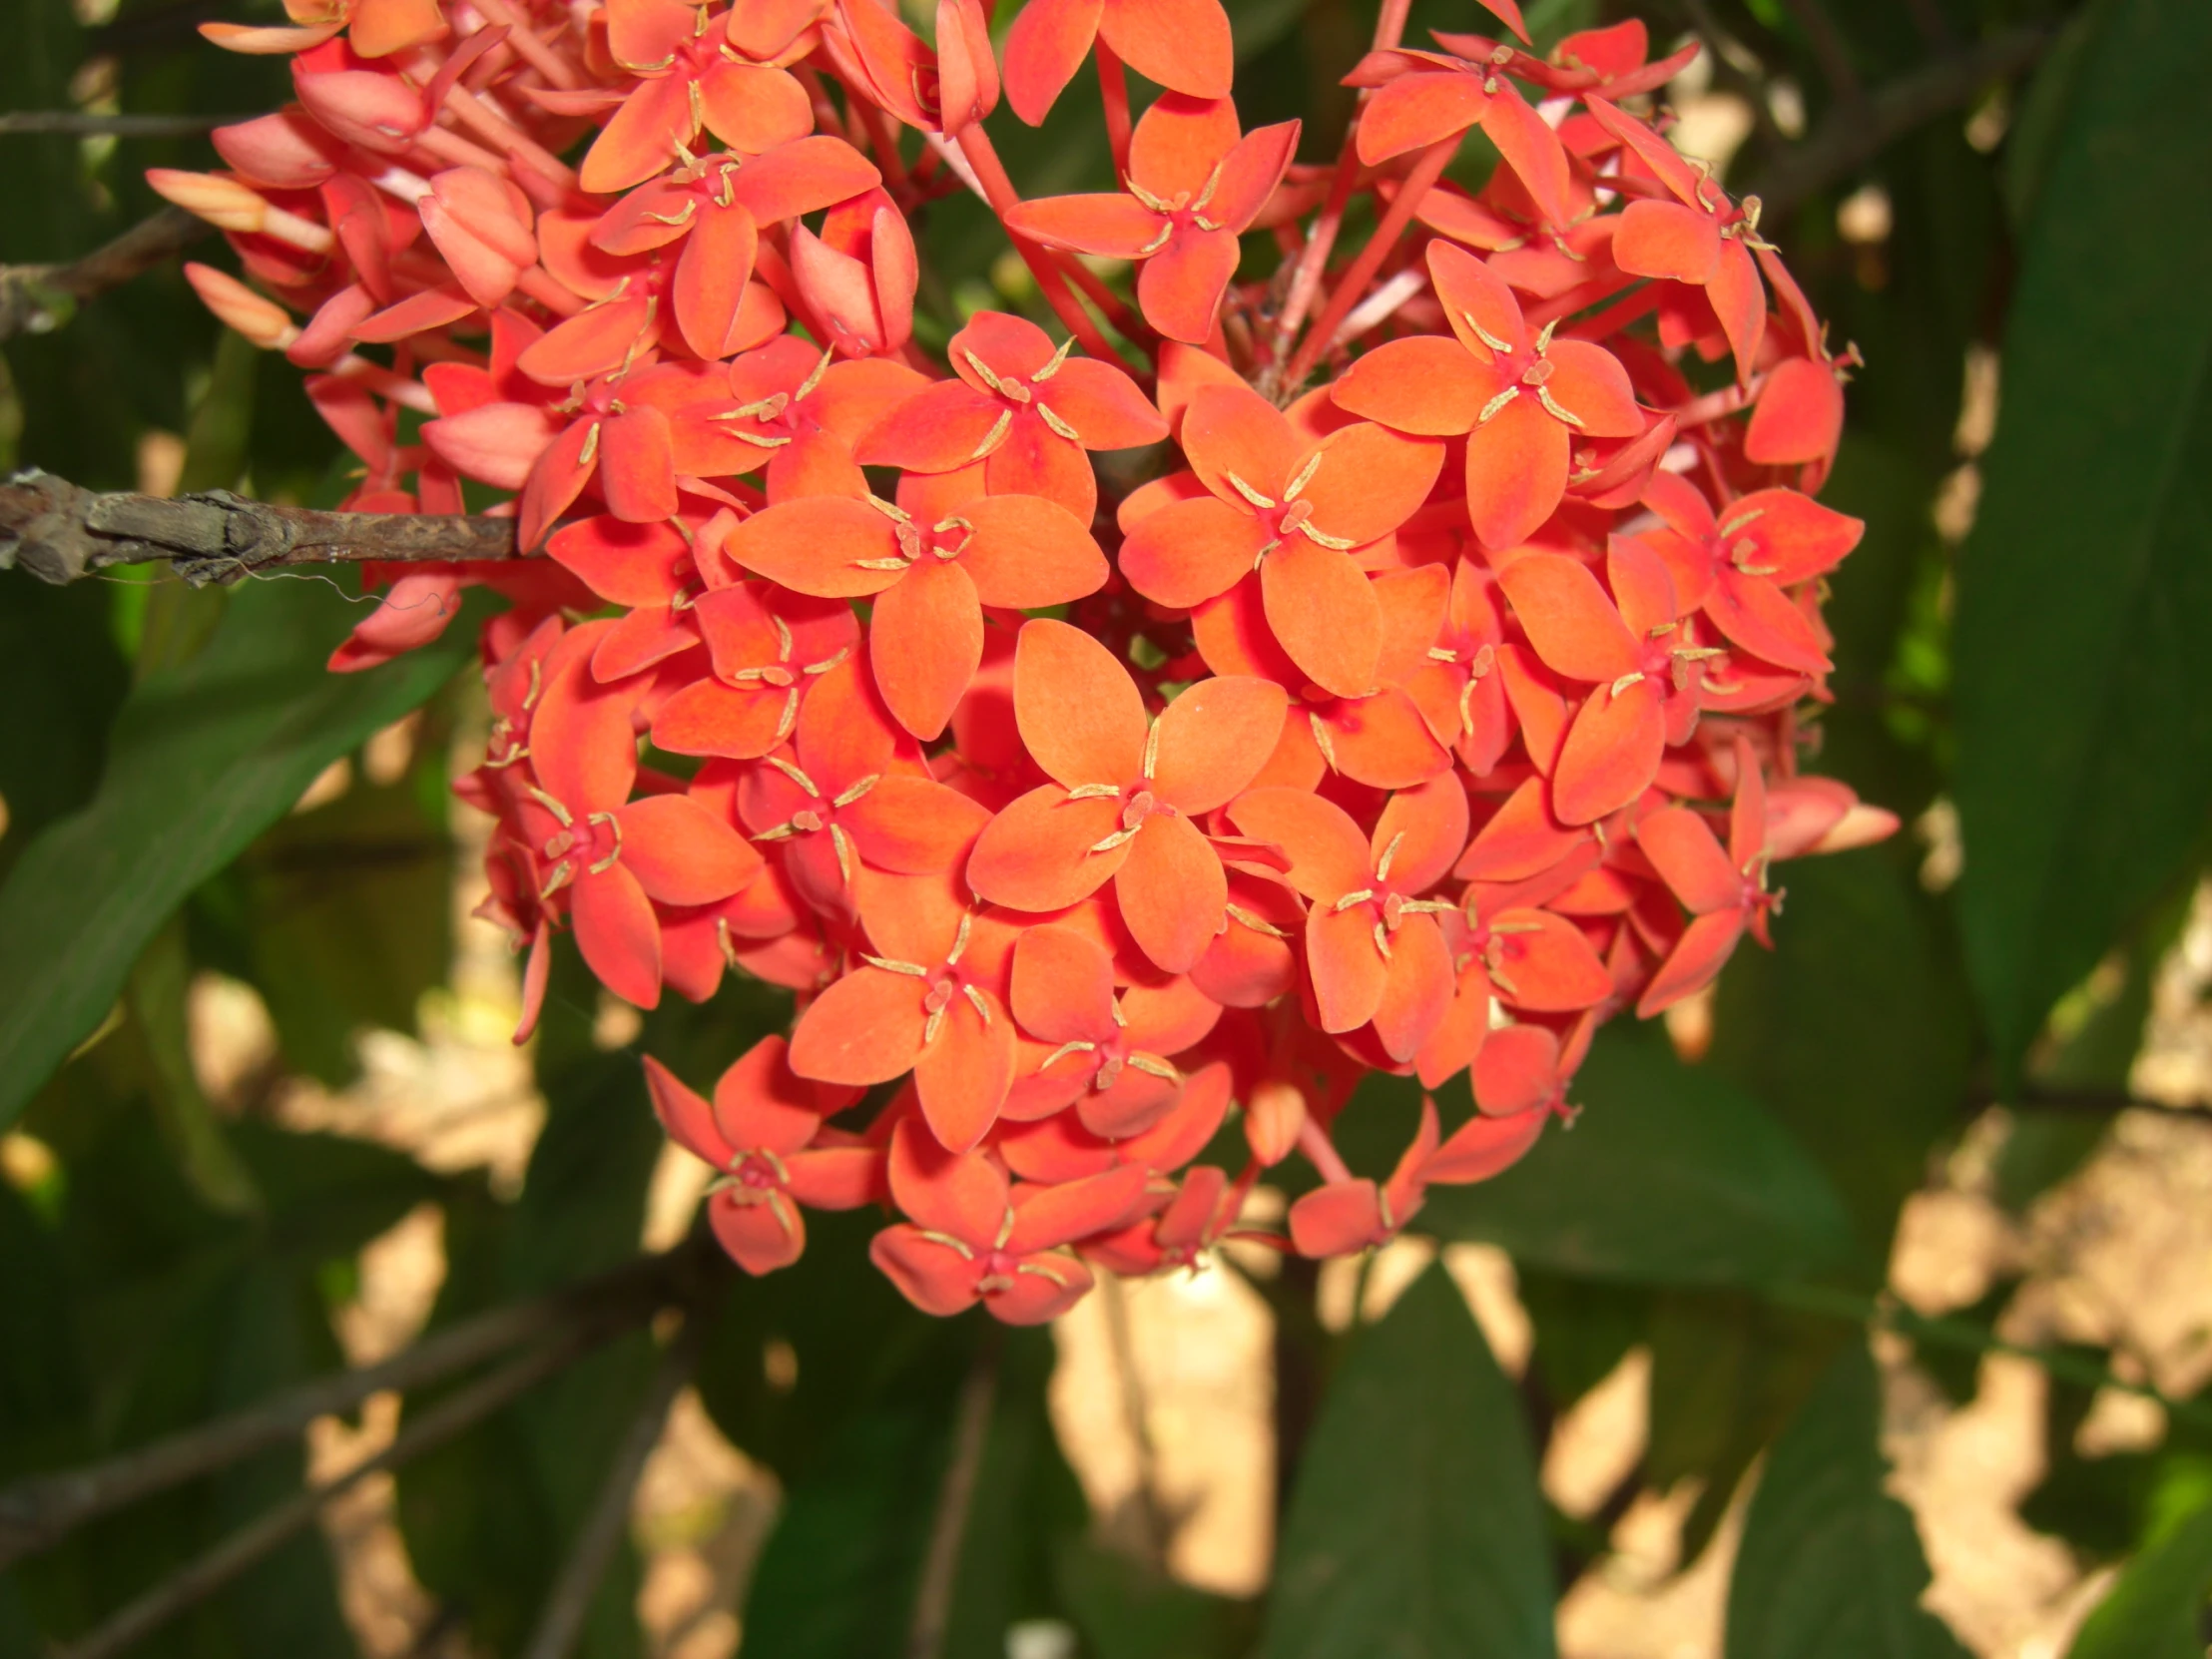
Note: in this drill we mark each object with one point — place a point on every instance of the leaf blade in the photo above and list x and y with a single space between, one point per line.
1417 1530
2084 736
204 758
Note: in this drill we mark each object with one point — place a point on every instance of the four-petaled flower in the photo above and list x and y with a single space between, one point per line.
1124 792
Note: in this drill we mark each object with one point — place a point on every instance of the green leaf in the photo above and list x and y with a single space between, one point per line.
1126 1611
63 680
836 1579
204 758
1831 1566
1671 1176
346 917
2157 1609
2084 719
1860 949
1417 1530
1727 1370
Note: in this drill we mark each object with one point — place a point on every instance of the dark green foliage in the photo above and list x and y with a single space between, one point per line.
2081 792
181 1258
1831 1567
1673 1177
204 756
1417 1530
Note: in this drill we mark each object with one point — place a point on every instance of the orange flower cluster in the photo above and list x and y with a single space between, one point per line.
1422 686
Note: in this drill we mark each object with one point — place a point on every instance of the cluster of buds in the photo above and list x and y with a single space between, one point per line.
1422 686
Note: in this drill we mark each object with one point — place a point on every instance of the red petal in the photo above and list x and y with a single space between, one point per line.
1516 1070
1116 226
1421 831
1349 972
1370 480
1321 607
689 1120
1666 239
618 935
935 1276
1078 709
817 545
1611 754
1213 739
1486 1146
1416 989
965 1072
864 1029
1329 855
1338 1219
1697 958
760 1236
1044 49
1180 288
1191 551
1026 553
1172 892
926 639
913 827
1063 986
1036 855
1689 859
1516 471
1182 44
681 854
1574 627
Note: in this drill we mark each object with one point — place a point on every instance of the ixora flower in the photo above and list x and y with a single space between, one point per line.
1130 726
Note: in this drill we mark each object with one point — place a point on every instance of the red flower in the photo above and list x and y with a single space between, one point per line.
691 75
1294 511
1124 794
1107 1056
1025 412
1372 944
930 572
1192 185
930 1001
1521 400
611 857
1724 891
982 1239
1736 568
762 1137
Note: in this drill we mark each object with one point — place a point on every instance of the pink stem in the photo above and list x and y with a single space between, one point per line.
998 190
1113 92
1354 282
1314 1141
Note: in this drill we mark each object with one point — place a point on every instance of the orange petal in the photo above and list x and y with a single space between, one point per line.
864 1029
1611 754
1214 739
1321 607
1349 972
964 1071
1036 855
926 638
1172 891
1078 710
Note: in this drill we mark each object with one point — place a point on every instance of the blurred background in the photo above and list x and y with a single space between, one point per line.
1962 1116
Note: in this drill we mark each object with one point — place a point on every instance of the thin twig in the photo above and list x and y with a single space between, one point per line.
60 532
259 1538
562 1623
1136 1420
78 124
2062 1098
1851 136
37 298
1830 50
940 1567
38 1513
